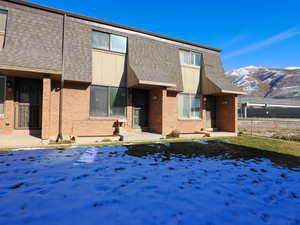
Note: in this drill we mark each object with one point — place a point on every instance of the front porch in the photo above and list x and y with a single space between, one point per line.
26 111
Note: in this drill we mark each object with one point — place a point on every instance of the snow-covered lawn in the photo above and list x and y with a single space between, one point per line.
176 183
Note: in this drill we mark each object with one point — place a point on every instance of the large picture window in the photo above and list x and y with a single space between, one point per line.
111 42
190 58
3 18
2 94
108 101
189 106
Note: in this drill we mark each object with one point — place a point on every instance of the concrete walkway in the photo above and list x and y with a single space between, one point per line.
140 136
27 141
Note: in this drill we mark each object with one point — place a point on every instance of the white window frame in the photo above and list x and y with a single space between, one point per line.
4 95
191 59
3 32
190 99
110 44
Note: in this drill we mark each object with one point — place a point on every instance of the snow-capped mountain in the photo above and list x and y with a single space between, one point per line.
267 82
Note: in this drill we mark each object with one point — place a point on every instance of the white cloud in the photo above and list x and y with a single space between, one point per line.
269 41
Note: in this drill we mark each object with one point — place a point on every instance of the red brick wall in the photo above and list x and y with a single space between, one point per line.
163 114
76 108
171 119
7 120
46 108
227 113
54 108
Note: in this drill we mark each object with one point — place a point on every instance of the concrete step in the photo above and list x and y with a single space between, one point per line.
211 129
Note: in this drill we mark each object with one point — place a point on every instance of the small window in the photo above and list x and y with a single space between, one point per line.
190 58
109 42
2 94
108 101
118 43
196 59
3 18
189 106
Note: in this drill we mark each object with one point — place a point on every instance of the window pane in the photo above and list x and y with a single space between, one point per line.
195 107
118 43
2 94
185 57
3 16
100 40
184 106
117 101
99 101
196 59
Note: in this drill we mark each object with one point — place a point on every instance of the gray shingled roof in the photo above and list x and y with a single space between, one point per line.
154 61
215 73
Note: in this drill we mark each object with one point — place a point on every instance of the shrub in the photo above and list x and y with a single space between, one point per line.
174 133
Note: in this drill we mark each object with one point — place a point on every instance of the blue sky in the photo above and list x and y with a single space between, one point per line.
250 32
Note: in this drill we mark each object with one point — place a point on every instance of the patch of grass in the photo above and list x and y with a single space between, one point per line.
106 140
252 142
264 143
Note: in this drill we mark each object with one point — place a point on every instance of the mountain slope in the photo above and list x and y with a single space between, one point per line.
267 82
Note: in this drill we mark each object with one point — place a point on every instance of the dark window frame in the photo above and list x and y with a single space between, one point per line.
108 113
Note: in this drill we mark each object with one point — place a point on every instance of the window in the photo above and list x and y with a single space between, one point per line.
2 94
190 58
118 43
3 18
108 101
100 40
110 42
189 106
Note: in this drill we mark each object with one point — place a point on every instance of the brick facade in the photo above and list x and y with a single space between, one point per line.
163 112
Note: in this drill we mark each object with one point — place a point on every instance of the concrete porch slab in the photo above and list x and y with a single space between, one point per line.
18 141
140 136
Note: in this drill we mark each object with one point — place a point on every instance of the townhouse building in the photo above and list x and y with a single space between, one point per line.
71 75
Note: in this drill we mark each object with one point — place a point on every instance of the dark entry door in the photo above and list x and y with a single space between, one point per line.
28 97
140 107
211 112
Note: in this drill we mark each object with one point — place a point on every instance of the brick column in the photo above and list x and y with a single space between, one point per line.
46 108
9 109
